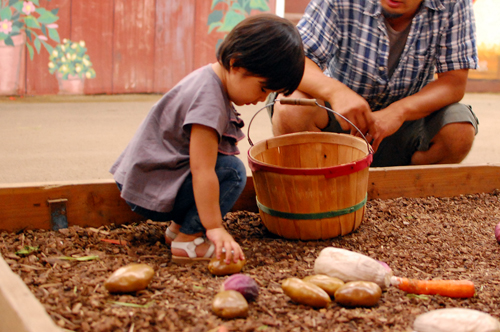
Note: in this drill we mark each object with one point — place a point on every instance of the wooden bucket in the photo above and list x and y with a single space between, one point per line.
311 185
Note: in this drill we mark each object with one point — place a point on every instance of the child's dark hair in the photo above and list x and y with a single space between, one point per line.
267 46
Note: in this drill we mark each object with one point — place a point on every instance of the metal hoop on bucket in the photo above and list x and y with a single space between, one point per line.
306 102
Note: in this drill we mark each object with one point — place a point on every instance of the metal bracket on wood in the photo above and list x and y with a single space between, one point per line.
58 217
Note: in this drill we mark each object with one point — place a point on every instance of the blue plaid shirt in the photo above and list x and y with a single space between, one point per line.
348 39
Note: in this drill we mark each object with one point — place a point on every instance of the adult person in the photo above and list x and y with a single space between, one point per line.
396 69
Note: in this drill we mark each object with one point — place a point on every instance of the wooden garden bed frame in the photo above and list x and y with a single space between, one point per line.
98 203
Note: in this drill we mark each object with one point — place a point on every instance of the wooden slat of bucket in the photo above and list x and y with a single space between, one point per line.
346 191
361 190
308 186
263 195
278 188
330 226
294 192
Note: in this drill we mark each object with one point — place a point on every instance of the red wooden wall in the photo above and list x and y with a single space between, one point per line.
135 46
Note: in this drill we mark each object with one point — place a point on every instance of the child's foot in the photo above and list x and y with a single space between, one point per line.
171 233
191 248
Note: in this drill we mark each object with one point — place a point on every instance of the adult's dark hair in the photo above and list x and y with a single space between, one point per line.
267 46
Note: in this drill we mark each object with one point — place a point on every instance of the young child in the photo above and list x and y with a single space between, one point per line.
181 163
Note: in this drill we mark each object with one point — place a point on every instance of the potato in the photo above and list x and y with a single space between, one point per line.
326 283
305 293
230 304
358 294
455 320
130 278
219 268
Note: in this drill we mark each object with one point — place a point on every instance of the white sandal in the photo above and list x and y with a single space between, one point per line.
169 236
190 249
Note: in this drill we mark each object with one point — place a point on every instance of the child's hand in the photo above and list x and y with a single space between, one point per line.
222 239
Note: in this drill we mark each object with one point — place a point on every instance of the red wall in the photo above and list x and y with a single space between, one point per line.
139 46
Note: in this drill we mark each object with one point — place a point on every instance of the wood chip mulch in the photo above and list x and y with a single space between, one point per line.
424 238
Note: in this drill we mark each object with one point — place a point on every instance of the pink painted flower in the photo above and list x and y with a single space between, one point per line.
42 37
6 26
53 26
28 7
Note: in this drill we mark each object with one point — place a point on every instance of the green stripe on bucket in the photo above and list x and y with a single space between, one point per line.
309 216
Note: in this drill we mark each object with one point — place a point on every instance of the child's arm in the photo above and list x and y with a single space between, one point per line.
203 149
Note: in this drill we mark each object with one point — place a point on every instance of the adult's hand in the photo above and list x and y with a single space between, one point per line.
385 123
342 99
353 107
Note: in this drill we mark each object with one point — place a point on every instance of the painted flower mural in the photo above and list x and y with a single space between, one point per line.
26 17
71 65
227 13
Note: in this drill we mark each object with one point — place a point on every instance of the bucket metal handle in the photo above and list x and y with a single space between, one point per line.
305 102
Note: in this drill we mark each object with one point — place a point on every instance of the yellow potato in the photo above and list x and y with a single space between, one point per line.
358 294
326 283
219 268
305 293
130 278
230 304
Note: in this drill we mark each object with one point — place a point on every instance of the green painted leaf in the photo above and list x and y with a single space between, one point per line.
46 17
243 3
28 34
12 2
230 21
55 11
36 2
48 47
54 35
8 41
259 5
215 16
236 7
31 22
37 45
30 51
248 9
213 26
5 13
215 2
18 6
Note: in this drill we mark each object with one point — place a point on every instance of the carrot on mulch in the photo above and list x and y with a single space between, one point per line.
120 242
450 288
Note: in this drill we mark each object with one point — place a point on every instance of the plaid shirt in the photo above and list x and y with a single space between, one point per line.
348 39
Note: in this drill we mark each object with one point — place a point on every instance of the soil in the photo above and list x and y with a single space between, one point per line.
424 238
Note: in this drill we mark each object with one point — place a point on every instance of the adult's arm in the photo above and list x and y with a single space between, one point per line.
448 88
342 99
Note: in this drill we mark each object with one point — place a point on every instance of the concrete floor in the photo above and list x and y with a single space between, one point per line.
73 138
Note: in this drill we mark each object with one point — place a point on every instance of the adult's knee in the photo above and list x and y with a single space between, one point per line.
454 141
460 141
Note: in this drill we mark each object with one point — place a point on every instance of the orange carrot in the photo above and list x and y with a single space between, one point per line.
121 242
450 288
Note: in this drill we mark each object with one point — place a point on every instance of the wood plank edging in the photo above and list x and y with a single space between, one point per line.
20 310
97 203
